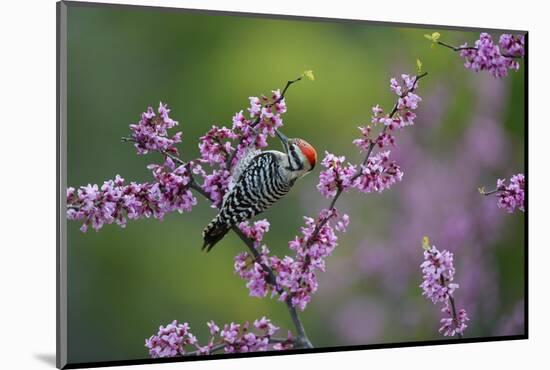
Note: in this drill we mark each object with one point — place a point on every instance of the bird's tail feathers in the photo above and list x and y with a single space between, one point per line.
213 233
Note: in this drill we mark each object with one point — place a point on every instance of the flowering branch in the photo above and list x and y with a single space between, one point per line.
175 339
461 48
348 177
267 107
438 273
511 196
292 279
485 55
301 341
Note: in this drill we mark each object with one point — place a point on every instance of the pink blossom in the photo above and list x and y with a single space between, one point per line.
487 56
255 106
298 275
114 202
383 139
335 176
264 120
170 340
378 174
512 45
150 133
215 185
511 196
438 273
253 272
212 147
451 326
256 231
172 185
376 111
396 87
176 340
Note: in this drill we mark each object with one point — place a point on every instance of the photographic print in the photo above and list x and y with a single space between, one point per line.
241 184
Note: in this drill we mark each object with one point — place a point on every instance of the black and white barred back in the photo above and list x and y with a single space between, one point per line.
259 186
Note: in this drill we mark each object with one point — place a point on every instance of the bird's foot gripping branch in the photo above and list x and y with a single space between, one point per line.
226 154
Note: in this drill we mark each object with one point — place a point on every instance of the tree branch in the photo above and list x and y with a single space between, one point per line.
369 151
302 341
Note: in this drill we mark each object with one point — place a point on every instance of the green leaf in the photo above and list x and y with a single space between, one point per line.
418 66
425 243
309 75
434 37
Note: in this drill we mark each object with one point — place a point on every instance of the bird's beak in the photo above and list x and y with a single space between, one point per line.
283 138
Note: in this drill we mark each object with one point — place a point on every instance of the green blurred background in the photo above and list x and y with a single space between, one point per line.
124 283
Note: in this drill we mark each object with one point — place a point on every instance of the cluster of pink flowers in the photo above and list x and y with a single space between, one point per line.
336 175
378 173
438 273
171 189
497 59
407 103
256 231
220 143
251 270
296 277
115 201
176 339
316 242
451 326
511 196
214 183
150 133
170 340
264 118
511 45
212 147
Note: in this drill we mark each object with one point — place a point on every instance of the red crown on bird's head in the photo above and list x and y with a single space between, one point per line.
309 151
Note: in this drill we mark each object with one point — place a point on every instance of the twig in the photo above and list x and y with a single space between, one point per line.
456 48
483 192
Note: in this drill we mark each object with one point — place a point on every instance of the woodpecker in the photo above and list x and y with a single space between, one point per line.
260 179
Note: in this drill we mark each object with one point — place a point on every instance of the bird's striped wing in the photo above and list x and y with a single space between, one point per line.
239 168
258 187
